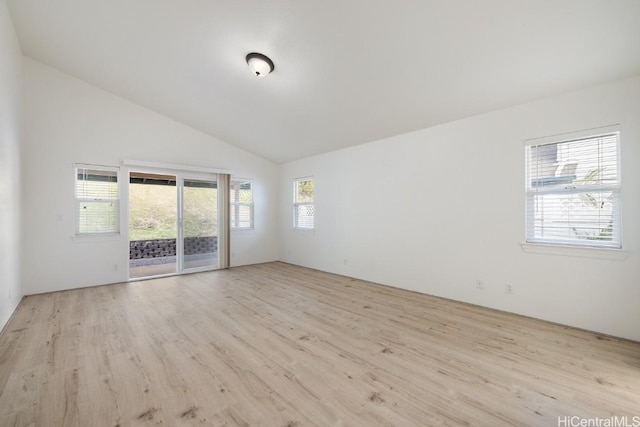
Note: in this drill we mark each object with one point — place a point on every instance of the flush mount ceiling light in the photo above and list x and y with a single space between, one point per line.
260 64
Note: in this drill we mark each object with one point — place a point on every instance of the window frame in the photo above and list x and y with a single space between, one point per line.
234 219
78 201
297 204
615 189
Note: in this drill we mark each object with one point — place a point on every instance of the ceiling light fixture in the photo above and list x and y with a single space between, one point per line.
260 64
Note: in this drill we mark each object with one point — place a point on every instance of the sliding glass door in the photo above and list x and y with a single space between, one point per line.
153 204
173 223
199 224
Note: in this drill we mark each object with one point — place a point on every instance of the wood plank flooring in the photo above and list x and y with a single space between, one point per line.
279 345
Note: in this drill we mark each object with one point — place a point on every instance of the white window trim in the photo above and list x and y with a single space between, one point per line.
614 254
576 248
297 204
568 136
155 166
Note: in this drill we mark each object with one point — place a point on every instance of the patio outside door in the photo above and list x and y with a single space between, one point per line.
199 224
173 223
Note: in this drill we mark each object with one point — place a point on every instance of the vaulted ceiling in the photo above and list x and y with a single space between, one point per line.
346 71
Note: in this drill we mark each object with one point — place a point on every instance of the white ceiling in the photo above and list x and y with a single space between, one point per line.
346 71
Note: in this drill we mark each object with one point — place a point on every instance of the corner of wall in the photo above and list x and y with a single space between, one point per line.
11 58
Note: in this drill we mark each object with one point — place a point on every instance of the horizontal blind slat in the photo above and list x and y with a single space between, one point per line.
97 204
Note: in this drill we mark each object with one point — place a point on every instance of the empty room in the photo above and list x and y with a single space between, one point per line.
331 213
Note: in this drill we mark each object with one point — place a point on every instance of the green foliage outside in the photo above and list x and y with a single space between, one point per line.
152 212
200 212
305 191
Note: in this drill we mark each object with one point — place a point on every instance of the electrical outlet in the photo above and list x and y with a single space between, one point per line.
346 261
479 284
508 288
115 267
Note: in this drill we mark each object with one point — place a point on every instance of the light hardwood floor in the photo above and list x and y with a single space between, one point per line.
279 345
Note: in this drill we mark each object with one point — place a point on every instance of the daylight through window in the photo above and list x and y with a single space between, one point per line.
573 191
241 204
303 209
97 203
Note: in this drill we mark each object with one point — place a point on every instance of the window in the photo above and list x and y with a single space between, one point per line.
573 191
303 212
241 204
97 204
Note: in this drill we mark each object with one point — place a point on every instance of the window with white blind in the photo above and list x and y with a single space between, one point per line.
303 210
573 190
97 202
241 204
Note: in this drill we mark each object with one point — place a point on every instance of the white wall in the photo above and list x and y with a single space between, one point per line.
10 141
434 210
67 121
430 211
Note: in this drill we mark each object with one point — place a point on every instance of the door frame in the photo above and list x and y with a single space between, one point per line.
180 172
